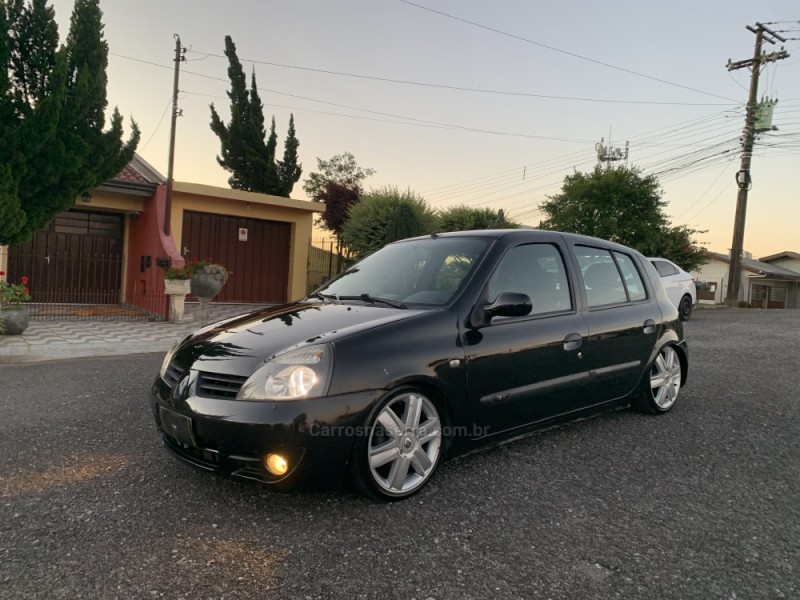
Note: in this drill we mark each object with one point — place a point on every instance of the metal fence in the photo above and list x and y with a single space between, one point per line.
68 287
94 289
324 262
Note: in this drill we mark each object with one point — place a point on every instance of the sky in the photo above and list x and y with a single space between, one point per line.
488 104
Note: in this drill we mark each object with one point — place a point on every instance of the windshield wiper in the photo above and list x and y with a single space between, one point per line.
323 297
373 300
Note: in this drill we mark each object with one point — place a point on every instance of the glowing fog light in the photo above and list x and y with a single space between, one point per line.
276 464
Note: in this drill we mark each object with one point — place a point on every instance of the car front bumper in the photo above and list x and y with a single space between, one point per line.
232 438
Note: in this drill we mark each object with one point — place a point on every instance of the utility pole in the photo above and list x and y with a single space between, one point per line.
176 112
743 179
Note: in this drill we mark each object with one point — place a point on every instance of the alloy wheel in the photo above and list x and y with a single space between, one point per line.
404 444
665 378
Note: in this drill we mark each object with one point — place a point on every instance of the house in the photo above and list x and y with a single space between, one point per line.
109 249
763 284
785 259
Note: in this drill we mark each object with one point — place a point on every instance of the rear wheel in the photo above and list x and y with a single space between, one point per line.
685 308
401 449
660 390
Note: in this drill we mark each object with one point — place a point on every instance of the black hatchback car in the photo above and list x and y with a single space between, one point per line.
427 348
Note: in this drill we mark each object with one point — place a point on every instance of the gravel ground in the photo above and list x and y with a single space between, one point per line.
699 503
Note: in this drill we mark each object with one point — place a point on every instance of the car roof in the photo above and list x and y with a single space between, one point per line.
528 233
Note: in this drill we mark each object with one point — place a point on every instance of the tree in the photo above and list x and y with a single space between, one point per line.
52 115
12 217
338 200
338 186
466 218
383 216
245 150
289 170
677 244
620 205
341 169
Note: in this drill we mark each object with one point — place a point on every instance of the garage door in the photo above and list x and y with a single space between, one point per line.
76 260
255 252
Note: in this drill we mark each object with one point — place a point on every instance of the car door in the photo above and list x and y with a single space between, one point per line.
622 317
525 369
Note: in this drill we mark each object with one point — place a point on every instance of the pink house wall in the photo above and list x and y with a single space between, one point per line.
146 238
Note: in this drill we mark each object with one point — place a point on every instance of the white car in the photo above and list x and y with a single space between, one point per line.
679 285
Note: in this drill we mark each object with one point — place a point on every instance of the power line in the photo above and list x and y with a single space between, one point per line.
376 112
559 50
460 88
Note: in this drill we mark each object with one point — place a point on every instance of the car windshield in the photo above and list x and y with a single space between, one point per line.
422 271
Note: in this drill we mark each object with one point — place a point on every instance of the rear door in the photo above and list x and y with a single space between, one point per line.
622 317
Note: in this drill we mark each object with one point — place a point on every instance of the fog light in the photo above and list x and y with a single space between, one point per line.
276 464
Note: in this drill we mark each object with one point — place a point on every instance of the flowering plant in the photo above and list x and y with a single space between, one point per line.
178 273
13 296
206 265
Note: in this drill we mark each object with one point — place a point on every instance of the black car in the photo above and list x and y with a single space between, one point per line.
427 348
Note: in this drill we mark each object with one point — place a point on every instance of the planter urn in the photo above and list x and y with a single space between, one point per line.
206 285
14 321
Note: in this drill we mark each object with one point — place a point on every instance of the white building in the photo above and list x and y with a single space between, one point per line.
770 283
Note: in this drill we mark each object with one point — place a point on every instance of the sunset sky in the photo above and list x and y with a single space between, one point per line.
481 103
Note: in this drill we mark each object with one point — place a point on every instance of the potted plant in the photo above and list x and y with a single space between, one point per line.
208 278
176 280
14 316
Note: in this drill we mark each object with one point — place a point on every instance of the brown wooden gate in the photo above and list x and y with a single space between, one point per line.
255 252
76 260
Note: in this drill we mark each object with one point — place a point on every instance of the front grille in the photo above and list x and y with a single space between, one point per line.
222 387
173 374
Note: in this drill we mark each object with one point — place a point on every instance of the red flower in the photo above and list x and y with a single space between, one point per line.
24 280
2 273
27 290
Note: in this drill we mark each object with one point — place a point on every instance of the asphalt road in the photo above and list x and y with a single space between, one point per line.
701 503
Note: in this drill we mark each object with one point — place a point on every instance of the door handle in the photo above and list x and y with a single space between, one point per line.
186 251
573 341
649 326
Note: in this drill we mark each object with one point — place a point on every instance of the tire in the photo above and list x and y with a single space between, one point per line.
685 308
660 388
401 447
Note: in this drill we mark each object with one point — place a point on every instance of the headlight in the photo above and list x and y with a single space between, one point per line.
300 373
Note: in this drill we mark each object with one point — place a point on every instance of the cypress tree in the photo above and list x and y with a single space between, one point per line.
52 113
245 150
289 170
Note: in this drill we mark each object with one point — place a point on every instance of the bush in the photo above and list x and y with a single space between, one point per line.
384 216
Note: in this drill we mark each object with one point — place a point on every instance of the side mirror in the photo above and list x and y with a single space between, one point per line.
509 304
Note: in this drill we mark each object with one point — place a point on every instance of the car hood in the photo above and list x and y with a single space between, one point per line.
238 346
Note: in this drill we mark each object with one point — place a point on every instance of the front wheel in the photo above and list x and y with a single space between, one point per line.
660 390
401 448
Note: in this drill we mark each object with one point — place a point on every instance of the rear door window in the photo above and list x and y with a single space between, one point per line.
630 275
609 277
